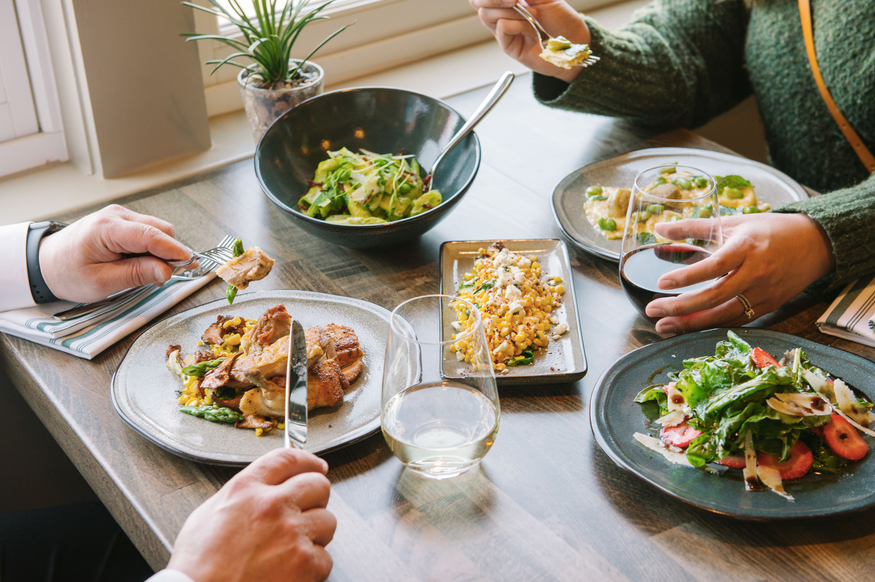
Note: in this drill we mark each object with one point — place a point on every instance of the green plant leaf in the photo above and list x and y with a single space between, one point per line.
227 61
313 52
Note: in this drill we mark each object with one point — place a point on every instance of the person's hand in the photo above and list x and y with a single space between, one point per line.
268 522
768 258
519 40
84 261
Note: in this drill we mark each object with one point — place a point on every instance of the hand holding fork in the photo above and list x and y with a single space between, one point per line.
522 39
108 251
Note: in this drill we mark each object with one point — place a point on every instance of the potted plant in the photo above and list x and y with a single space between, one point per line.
274 82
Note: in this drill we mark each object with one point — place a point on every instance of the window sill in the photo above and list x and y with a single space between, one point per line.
52 190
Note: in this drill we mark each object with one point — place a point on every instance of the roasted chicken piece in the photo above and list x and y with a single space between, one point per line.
268 363
272 325
325 384
268 400
345 342
252 265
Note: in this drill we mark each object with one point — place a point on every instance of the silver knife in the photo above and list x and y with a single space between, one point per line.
296 388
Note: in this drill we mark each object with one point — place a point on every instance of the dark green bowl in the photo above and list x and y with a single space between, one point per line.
378 119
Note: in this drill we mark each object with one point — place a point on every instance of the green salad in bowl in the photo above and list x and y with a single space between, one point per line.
368 188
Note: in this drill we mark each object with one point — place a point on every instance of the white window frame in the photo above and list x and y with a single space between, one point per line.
386 34
47 143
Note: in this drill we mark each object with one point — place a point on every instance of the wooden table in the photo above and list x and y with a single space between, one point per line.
547 504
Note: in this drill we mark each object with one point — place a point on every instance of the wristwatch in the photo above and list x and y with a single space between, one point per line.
38 287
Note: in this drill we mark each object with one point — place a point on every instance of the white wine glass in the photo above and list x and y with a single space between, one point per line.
438 424
672 193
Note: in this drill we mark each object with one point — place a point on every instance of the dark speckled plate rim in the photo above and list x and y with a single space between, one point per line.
709 339
571 311
352 438
366 229
561 189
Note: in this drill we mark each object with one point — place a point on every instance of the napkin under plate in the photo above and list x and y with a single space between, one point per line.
849 315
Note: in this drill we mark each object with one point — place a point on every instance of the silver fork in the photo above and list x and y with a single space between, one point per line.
209 261
544 37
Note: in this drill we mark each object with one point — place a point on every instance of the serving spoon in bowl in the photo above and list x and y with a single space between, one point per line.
494 96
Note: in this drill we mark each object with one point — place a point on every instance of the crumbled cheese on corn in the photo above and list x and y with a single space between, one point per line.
515 303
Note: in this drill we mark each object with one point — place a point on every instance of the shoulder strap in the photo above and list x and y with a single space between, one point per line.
808 33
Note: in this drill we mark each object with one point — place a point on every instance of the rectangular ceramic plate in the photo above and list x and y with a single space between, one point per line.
563 360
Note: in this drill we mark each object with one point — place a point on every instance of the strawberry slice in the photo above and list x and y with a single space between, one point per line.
844 440
679 436
733 461
796 466
763 359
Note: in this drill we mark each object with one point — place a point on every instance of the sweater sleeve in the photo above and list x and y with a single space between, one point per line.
678 63
847 216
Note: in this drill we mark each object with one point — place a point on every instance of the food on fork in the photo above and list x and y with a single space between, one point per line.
252 265
237 375
743 409
606 206
516 303
368 188
563 53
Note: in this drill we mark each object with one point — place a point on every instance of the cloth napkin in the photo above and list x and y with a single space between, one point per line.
850 314
90 334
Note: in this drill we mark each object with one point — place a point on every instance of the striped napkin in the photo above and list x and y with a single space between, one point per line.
90 334
850 315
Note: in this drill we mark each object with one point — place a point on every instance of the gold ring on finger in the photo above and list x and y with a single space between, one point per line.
748 308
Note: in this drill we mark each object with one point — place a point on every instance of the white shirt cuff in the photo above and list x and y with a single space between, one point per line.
170 576
14 283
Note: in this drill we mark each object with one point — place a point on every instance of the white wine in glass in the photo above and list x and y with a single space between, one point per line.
437 427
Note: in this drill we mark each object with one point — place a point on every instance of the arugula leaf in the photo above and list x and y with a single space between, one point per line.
202 368
654 392
825 461
702 450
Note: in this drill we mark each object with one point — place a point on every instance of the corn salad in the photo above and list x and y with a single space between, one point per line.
516 305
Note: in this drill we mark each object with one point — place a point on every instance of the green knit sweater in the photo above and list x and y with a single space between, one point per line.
682 62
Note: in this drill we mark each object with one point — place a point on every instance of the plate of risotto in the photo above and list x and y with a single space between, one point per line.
208 383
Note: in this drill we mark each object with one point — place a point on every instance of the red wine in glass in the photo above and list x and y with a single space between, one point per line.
642 268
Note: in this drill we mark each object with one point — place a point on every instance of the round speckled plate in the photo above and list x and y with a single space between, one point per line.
615 418
143 389
770 185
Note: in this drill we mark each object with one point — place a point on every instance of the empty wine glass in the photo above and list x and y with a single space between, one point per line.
667 194
440 413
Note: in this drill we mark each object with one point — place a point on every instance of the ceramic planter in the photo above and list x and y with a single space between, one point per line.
263 106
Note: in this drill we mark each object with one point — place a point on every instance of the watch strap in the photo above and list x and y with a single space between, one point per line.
39 289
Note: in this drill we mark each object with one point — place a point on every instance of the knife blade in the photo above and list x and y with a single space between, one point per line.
296 388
